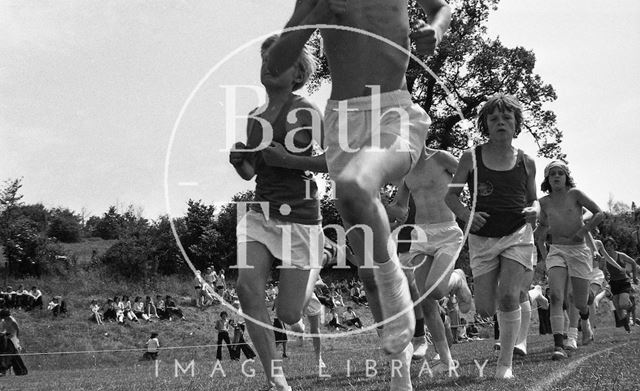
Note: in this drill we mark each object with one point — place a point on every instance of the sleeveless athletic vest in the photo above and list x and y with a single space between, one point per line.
278 185
502 194
616 274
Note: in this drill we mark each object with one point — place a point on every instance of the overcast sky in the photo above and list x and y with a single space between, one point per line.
90 93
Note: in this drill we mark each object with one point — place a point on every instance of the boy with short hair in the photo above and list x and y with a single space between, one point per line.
561 216
222 326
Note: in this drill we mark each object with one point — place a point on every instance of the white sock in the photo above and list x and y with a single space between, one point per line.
509 323
525 320
573 333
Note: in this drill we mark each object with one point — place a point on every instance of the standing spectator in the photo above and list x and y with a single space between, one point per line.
153 344
222 326
211 278
221 283
198 282
239 344
10 344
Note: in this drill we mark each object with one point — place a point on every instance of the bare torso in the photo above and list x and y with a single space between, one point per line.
428 183
356 59
564 217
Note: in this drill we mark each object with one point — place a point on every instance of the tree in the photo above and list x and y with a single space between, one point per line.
110 225
474 67
64 226
9 196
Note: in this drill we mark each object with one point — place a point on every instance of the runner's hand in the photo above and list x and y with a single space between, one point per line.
478 221
425 37
236 157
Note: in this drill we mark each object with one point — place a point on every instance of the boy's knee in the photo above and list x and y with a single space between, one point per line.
352 193
247 291
556 297
509 301
288 316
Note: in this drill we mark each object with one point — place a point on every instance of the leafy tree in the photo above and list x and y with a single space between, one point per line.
64 226
110 225
474 67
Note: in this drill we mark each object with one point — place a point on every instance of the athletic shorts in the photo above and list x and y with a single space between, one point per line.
305 241
313 307
484 251
358 122
597 277
435 240
576 258
620 286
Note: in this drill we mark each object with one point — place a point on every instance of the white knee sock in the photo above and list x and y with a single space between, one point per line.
509 323
525 320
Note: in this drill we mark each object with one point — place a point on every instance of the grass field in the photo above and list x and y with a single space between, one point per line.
107 357
609 364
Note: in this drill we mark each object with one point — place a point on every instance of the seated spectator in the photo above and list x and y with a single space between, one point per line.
118 307
336 297
462 331
172 309
57 306
109 312
161 308
357 296
322 293
138 309
19 297
37 298
128 310
150 308
335 321
95 312
472 331
351 318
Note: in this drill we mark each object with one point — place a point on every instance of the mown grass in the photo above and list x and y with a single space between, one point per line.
592 367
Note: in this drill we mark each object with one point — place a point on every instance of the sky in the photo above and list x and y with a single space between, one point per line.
91 93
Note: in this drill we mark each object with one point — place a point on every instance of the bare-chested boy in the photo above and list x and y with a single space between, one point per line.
435 241
374 132
561 216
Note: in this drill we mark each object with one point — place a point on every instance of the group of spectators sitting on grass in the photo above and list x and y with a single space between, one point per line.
21 298
121 310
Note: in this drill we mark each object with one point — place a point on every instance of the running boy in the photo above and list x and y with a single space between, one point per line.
367 149
501 241
282 183
561 216
435 241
